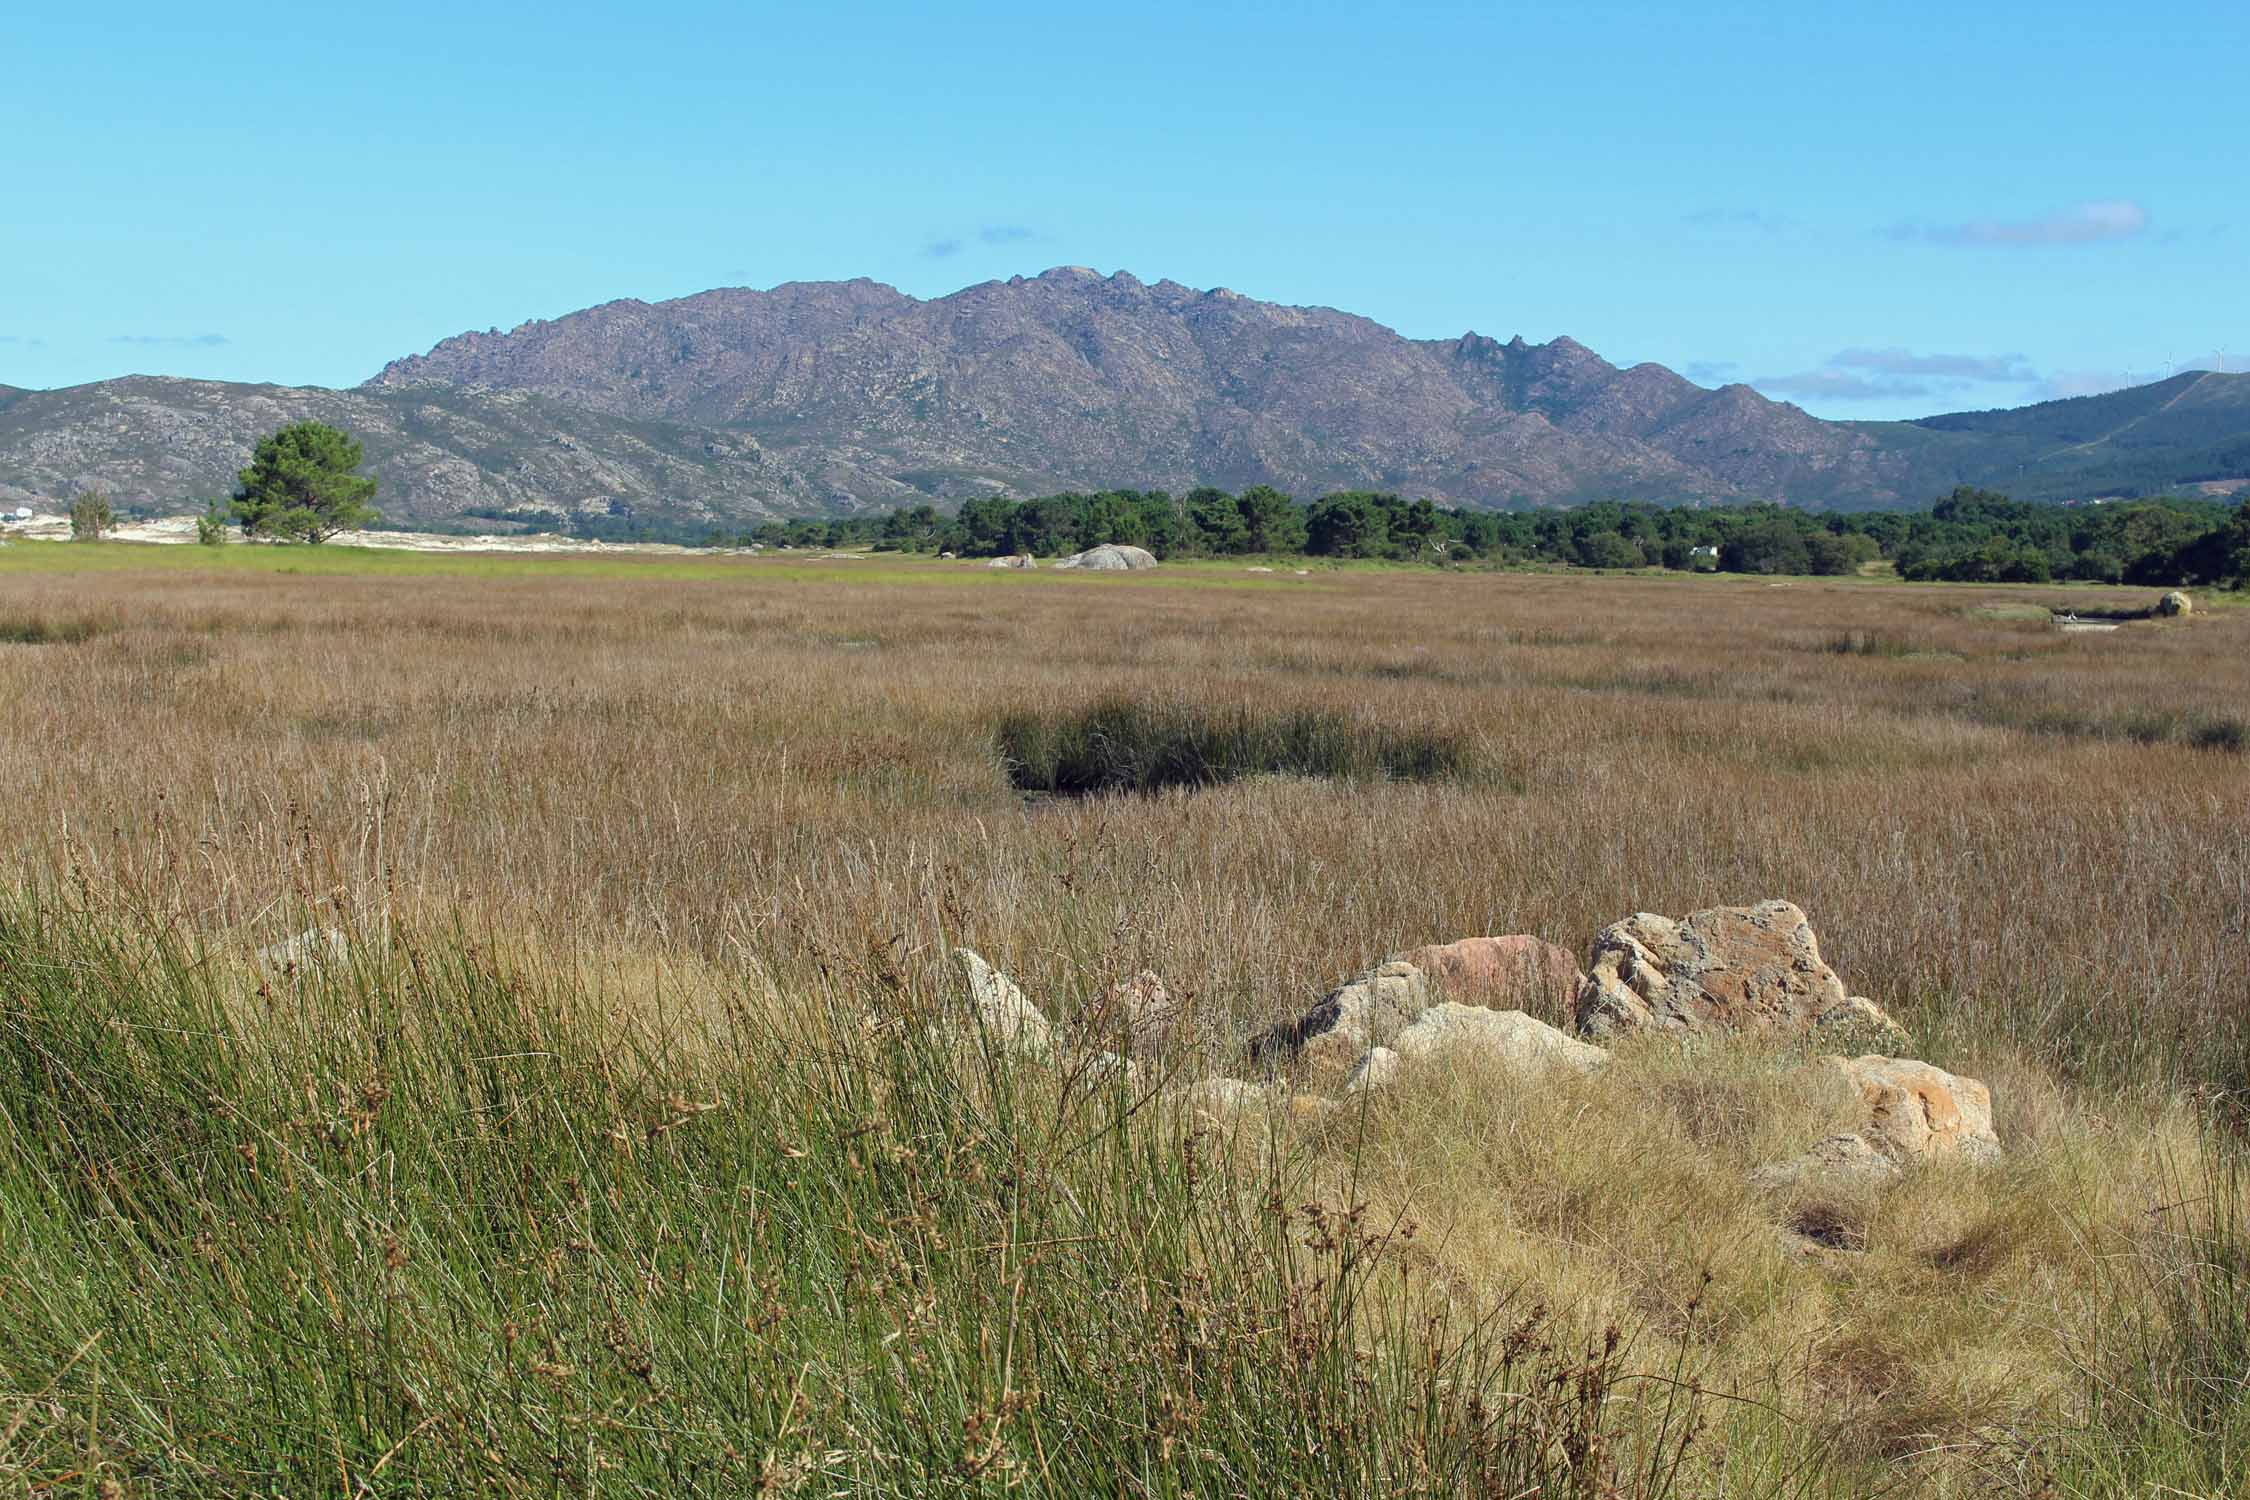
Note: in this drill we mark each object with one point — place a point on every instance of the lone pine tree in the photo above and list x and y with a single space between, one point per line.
300 486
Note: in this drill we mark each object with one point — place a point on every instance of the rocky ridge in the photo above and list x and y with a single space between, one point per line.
1089 380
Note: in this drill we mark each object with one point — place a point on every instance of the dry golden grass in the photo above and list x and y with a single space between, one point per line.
799 760
673 779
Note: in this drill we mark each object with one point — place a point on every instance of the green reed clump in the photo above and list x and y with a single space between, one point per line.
2170 1396
2201 730
1119 745
2194 728
2218 732
414 1223
1870 643
47 630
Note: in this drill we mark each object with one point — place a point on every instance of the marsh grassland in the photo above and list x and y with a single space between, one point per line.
625 1149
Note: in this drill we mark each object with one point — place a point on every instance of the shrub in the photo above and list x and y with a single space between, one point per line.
2219 732
1828 553
90 516
2167 726
38 630
211 526
2203 731
1121 746
1609 550
1868 643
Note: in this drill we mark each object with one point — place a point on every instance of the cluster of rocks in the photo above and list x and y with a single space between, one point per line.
1752 971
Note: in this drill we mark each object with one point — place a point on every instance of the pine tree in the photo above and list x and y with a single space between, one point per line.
300 486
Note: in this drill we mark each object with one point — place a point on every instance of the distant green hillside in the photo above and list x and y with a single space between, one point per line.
2190 429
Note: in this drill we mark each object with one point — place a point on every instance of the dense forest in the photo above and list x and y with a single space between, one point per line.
1971 535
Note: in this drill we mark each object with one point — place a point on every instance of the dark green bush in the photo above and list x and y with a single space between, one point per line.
1122 746
38 630
1869 643
2200 731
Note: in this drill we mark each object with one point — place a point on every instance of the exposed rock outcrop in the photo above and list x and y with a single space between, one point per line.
1348 1020
1911 1112
1451 1033
1378 1067
1905 1114
1754 970
1517 972
1725 969
1109 558
1002 1013
1498 973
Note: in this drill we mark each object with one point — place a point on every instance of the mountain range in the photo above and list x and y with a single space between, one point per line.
828 397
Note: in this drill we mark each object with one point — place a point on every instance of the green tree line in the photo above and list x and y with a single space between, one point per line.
1971 535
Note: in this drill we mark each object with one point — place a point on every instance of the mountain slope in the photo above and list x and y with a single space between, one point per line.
438 452
824 397
1087 380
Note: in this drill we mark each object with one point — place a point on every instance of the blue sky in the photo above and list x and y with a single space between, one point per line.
1913 207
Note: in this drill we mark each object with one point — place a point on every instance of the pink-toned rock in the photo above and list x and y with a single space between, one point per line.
1730 968
1517 972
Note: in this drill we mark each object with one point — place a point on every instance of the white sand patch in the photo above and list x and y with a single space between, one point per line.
180 530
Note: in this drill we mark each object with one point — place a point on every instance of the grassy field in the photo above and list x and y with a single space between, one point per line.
628 1153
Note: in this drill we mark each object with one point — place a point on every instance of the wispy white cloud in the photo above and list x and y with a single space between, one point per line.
946 246
2081 224
1979 367
1839 385
22 340
1709 371
1898 374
